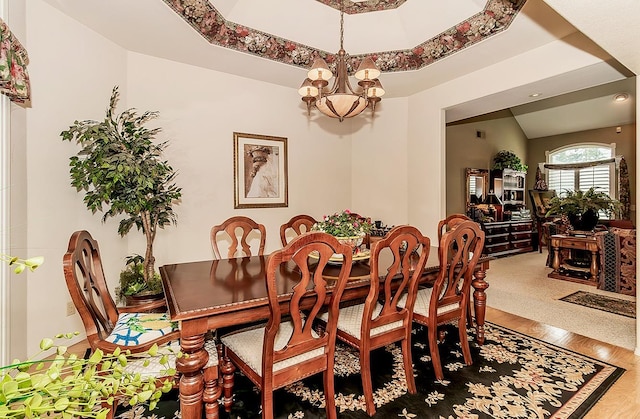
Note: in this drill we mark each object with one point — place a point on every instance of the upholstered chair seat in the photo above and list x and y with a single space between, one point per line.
423 301
243 344
350 320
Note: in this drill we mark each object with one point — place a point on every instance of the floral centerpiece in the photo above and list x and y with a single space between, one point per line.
344 224
347 227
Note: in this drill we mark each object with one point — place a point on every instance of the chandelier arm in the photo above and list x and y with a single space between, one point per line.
354 92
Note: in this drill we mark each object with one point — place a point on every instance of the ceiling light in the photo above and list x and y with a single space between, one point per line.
341 101
535 94
621 97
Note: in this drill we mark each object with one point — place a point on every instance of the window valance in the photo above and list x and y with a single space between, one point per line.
571 166
14 79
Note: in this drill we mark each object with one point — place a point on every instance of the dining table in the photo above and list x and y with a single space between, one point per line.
204 296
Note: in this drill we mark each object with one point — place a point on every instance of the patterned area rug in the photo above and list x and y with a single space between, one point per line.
602 302
513 376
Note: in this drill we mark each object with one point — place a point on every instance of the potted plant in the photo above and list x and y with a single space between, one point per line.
505 159
121 171
582 208
132 283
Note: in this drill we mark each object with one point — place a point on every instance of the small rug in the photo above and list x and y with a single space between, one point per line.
513 376
602 302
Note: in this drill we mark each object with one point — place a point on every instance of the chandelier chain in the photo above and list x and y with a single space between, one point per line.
341 29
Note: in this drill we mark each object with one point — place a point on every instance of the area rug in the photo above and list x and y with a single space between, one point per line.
602 302
513 376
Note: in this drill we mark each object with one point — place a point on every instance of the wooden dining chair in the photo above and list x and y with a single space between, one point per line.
380 320
449 298
445 225
297 225
112 328
291 349
239 246
450 222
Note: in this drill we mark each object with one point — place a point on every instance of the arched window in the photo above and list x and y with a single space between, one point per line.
582 166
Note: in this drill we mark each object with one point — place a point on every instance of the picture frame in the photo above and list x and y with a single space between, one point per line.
260 171
540 200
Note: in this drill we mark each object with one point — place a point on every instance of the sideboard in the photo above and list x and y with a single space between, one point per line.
508 237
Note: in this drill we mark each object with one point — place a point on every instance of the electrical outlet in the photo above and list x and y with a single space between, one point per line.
71 308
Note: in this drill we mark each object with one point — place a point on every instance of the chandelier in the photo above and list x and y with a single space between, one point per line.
341 101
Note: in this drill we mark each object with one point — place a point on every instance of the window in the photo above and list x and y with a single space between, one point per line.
577 176
580 167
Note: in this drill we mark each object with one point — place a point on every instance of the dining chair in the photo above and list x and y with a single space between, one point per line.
297 225
380 321
111 328
449 298
445 225
291 348
229 231
450 222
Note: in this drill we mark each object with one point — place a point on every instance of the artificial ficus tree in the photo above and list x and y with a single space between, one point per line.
122 172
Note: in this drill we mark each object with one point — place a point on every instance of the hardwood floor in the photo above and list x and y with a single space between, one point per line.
621 401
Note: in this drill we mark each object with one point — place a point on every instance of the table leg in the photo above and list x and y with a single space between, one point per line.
192 379
594 266
480 302
555 264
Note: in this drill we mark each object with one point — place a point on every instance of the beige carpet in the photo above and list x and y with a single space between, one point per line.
519 285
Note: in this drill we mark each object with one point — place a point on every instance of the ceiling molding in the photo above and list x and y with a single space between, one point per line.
202 16
353 8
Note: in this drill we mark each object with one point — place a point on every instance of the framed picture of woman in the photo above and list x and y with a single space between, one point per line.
260 171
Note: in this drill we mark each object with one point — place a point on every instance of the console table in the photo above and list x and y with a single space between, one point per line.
564 271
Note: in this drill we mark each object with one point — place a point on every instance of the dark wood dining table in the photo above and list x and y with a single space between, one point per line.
208 295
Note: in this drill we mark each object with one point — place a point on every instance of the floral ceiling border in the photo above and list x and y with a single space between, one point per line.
352 8
496 16
14 79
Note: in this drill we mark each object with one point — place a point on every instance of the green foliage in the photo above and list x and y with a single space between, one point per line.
343 224
121 172
67 386
577 202
132 280
508 160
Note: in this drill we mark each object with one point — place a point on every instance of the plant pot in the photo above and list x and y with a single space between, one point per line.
584 222
353 241
143 298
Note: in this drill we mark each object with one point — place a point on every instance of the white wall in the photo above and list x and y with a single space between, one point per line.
201 109
379 169
72 71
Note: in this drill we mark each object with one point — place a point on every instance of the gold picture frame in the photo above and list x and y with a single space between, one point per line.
260 171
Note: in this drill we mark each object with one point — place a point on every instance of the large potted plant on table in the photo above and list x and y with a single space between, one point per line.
582 208
122 172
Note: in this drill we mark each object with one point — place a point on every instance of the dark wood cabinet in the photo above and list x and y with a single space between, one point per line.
508 237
